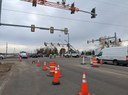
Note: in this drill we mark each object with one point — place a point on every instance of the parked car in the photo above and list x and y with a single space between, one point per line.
2 57
40 55
34 55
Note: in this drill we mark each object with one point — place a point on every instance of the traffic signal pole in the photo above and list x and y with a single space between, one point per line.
0 9
68 43
25 26
115 39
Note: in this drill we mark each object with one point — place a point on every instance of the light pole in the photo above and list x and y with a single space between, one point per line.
0 10
68 43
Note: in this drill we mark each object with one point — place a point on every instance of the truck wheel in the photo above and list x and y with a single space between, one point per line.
115 62
127 64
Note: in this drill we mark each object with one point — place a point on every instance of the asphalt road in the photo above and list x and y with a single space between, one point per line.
27 79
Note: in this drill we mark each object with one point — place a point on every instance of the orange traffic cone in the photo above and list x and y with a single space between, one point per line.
56 78
38 63
94 60
59 74
20 59
44 66
84 87
101 61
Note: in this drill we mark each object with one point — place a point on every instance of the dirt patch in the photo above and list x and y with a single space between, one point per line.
5 68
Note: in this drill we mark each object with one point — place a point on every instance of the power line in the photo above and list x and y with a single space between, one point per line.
104 2
87 21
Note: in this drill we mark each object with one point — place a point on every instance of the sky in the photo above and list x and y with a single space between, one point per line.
111 17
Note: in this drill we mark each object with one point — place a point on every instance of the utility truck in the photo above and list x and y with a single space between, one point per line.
115 55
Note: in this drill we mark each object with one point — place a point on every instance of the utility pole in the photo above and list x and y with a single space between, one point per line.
0 10
6 48
68 43
115 39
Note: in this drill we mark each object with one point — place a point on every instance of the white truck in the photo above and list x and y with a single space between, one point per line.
23 54
72 54
115 55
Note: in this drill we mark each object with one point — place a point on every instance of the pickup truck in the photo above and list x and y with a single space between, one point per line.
72 54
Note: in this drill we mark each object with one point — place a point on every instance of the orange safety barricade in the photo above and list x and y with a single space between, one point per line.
95 63
52 66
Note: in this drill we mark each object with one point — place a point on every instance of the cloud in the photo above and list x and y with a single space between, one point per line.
111 18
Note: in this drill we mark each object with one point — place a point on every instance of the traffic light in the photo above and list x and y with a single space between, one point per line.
72 8
58 44
120 40
105 42
87 42
93 13
32 28
34 3
51 30
100 39
63 2
52 44
45 44
65 31
93 40
110 41
68 45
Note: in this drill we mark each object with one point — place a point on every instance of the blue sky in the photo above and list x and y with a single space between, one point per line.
111 18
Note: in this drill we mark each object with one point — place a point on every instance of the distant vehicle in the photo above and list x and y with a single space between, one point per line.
2 57
72 54
115 55
34 55
40 55
23 54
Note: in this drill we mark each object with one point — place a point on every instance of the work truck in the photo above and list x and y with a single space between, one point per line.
115 55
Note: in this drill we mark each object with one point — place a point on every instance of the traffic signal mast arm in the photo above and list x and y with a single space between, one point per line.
59 5
53 44
25 26
107 38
